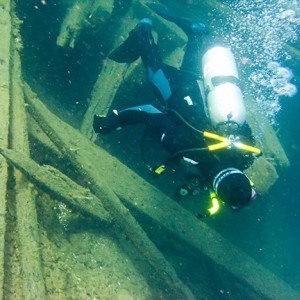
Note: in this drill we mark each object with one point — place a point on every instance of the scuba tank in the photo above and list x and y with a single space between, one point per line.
224 99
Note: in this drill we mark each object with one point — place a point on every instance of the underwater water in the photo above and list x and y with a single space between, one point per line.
273 80
264 36
260 32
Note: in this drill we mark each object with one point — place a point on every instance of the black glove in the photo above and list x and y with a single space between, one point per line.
106 124
101 124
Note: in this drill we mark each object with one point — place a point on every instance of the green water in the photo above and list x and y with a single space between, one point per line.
269 230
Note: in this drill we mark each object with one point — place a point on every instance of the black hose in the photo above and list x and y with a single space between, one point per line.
181 152
184 151
184 120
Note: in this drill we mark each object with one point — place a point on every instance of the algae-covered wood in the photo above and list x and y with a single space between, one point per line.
67 139
80 15
5 33
58 185
27 227
149 201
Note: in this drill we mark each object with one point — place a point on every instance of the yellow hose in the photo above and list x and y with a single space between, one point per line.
214 136
247 148
225 142
218 146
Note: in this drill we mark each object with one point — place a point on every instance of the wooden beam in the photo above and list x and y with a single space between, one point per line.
110 77
83 161
102 94
266 135
27 227
58 185
5 33
38 135
82 14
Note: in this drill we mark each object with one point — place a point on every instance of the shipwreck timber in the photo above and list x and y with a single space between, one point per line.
5 30
84 190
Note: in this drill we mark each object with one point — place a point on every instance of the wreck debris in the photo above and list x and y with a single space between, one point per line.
14 134
33 282
5 33
103 93
27 228
110 77
113 75
67 138
58 185
37 134
79 16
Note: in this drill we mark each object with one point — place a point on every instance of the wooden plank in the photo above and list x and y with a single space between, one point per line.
58 185
5 33
32 277
222 256
266 135
38 135
83 161
80 15
103 93
263 174
110 77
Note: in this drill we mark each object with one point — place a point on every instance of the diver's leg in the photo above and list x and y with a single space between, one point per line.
144 114
140 43
191 62
195 32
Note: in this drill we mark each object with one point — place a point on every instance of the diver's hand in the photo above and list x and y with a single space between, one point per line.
101 124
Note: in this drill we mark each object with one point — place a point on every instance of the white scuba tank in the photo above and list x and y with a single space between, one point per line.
224 98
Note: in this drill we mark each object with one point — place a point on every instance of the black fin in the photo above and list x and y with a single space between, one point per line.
127 52
130 50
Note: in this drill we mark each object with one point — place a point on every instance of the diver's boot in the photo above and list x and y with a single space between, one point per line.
130 50
190 27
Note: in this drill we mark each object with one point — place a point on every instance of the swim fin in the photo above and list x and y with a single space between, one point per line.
190 27
127 52
130 49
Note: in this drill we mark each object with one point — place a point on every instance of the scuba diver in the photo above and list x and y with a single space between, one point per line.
203 118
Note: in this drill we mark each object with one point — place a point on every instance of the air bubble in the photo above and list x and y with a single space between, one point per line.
289 90
286 14
259 30
284 73
273 65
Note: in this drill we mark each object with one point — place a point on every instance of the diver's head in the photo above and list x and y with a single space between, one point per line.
233 187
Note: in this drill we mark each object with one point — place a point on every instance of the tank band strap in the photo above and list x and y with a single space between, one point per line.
217 80
221 175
